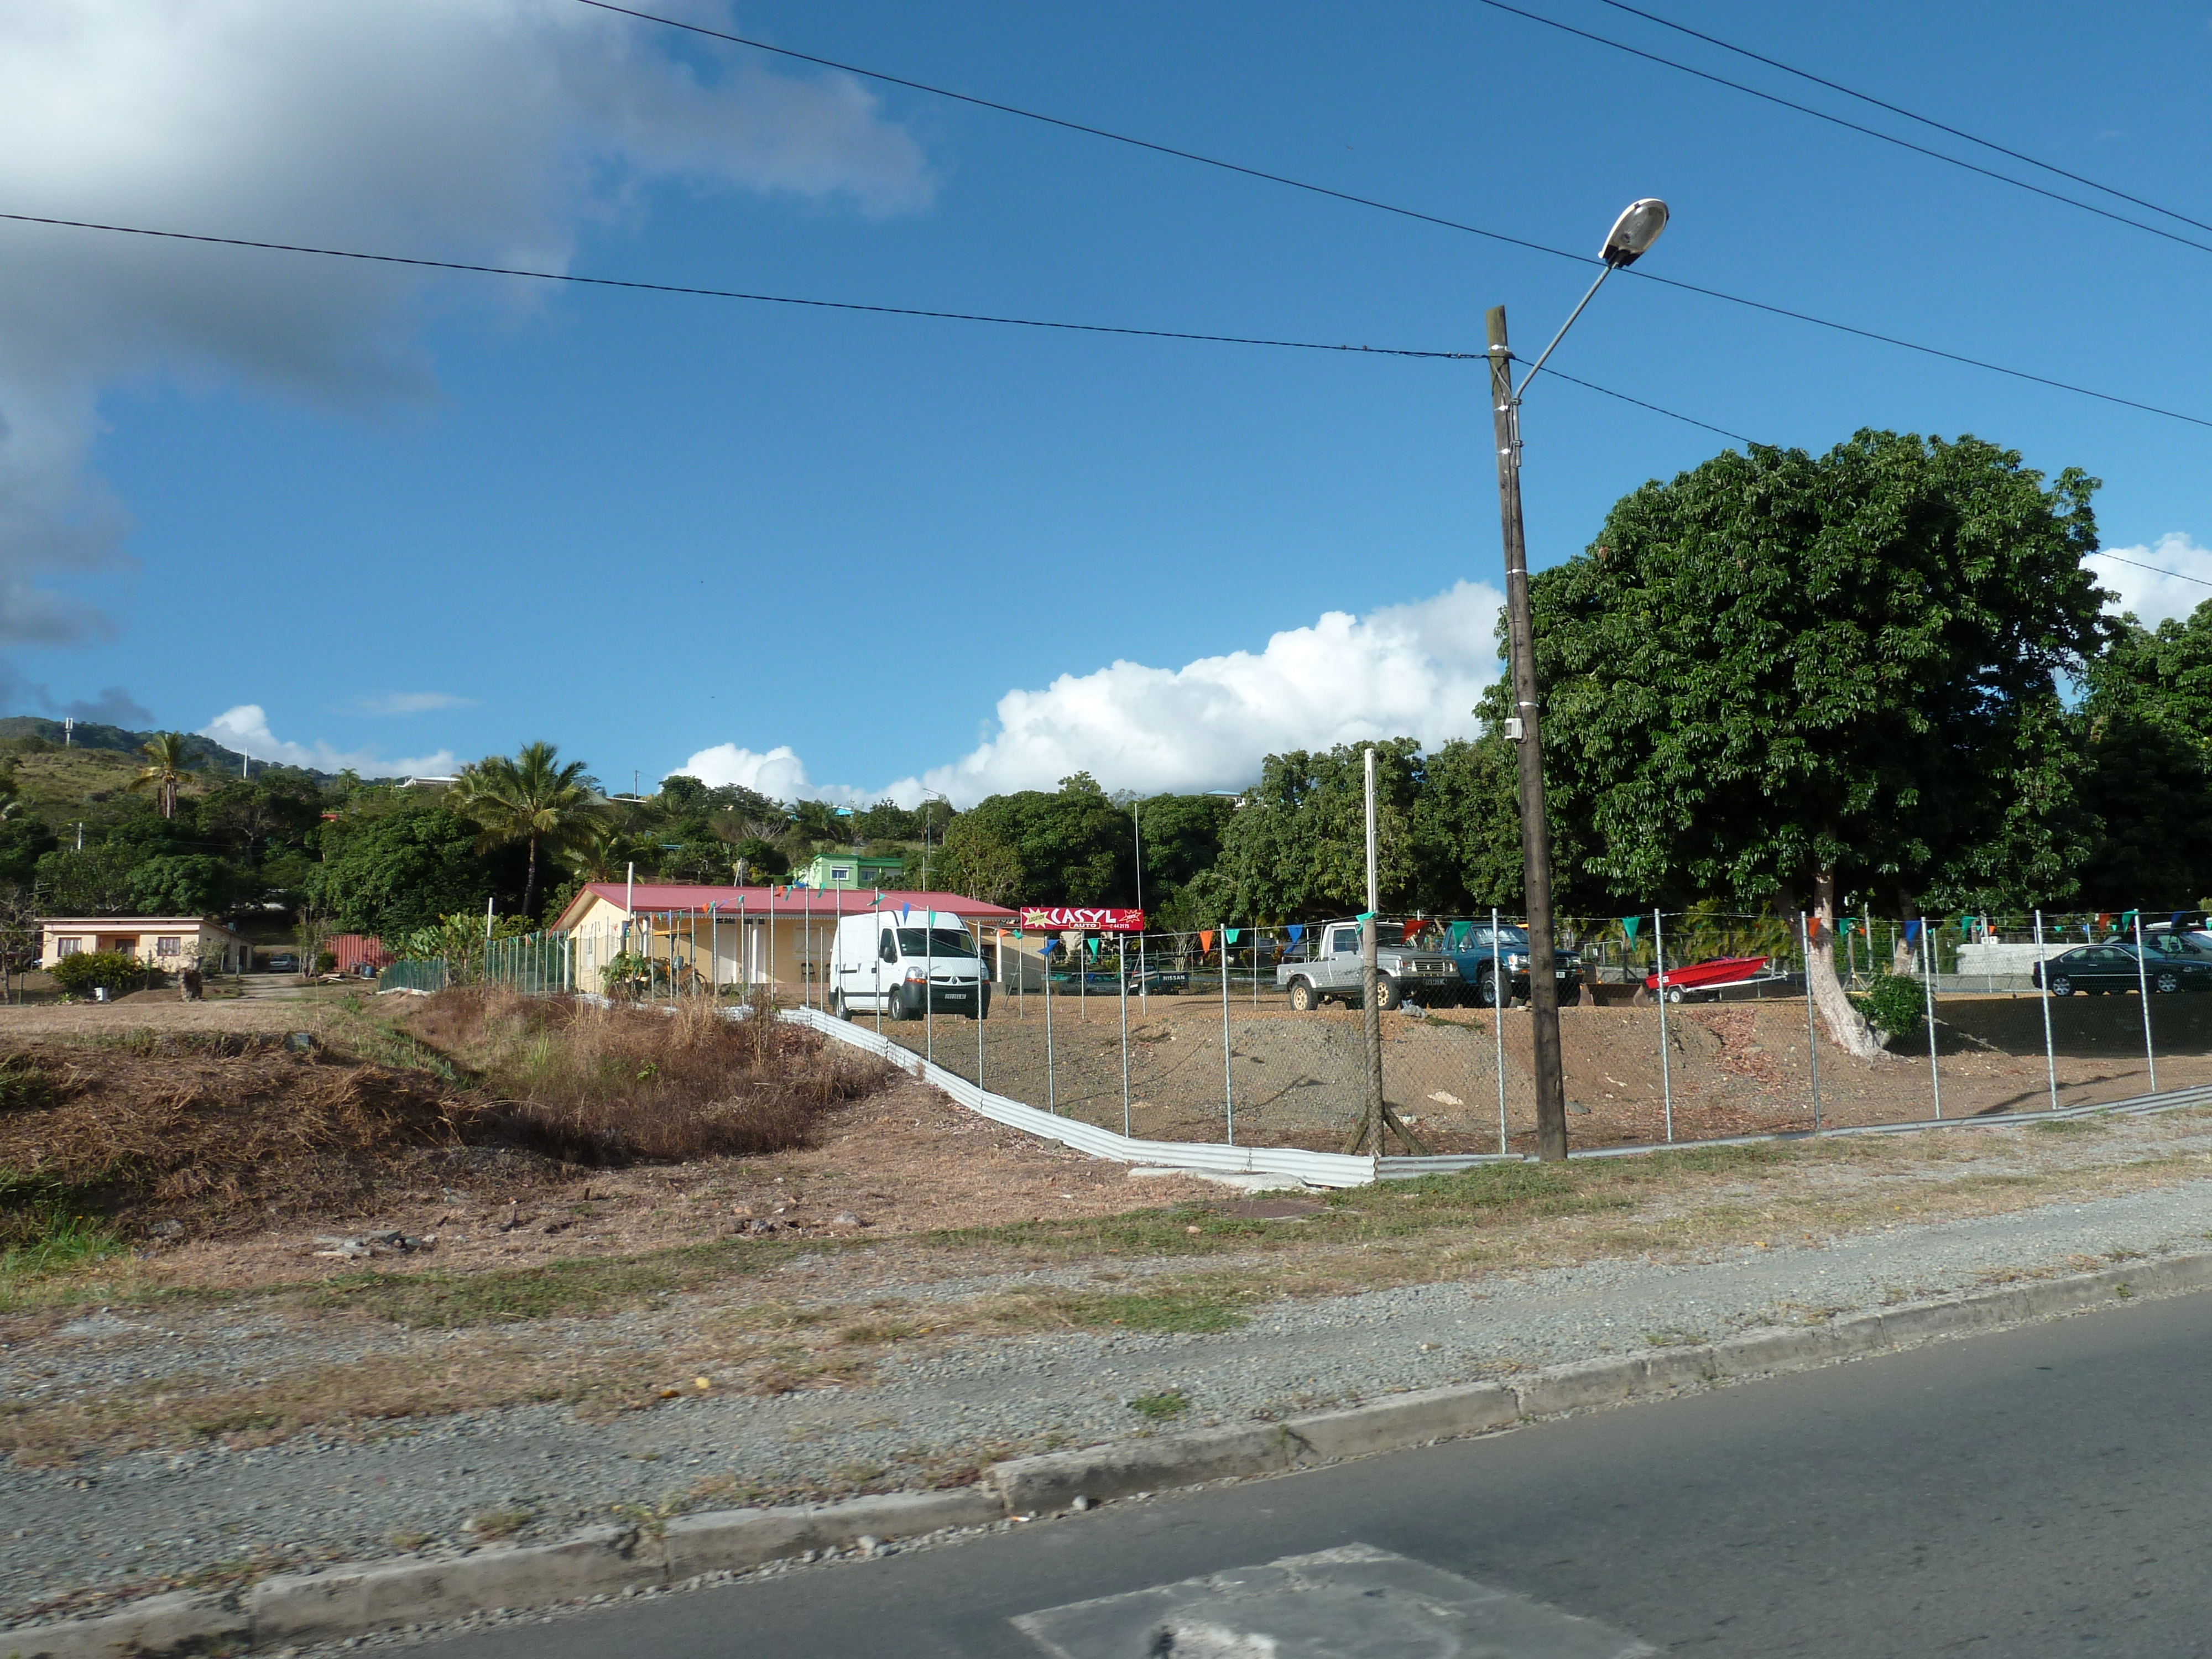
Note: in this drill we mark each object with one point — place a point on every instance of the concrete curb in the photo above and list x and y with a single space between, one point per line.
355 1600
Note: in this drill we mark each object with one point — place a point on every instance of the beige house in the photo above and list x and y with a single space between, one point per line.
170 943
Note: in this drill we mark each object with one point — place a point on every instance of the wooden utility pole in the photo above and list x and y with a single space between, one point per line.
1523 728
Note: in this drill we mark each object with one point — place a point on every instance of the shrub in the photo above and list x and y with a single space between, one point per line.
81 972
1893 1005
611 1085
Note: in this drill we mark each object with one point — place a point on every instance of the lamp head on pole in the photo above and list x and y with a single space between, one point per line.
1637 228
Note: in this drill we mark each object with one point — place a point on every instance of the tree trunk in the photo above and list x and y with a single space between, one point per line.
1844 1022
530 882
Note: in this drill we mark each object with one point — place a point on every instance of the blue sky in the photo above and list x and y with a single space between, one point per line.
361 515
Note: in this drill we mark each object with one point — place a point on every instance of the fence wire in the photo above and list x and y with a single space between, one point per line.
1193 1036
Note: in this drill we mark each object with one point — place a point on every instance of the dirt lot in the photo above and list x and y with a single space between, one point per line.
1732 1068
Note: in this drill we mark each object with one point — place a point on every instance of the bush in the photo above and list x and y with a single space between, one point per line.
79 975
1893 1005
613 1085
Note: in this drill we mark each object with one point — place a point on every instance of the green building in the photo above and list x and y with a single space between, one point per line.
851 870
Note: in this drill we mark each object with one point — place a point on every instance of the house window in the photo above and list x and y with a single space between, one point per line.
68 947
841 872
167 945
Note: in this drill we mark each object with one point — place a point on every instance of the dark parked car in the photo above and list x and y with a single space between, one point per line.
2095 968
284 963
1477 963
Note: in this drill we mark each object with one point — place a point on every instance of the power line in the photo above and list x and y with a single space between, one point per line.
2137 563
1393 208
722 293
1854 127
1899 109
1591 385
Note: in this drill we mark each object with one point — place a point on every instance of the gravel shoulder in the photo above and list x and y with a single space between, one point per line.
172 1436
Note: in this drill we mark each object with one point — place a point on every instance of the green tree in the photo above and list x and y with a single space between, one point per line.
164 770
1467 830
1073 845
23 841
2147 733
1785 679
180 885
95 882
976 859
1296 849
530 800
394 872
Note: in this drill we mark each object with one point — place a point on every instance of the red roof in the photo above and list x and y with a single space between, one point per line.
662 899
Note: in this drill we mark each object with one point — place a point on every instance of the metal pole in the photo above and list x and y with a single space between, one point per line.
1812 1037
1370 981
2143 990
1666 1065
1228 1088
1255 968
1498 1019
2043 981
928 971
1136 829
1927 989
1051 1100
1535 834
1121 973
982 1002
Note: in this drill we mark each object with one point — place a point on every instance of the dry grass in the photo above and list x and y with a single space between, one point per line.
602 1085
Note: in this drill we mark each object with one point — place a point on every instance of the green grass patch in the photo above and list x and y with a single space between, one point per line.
1161 1407
2072 1126
1192 1308
557 1290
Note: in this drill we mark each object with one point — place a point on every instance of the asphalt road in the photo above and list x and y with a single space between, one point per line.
2037 1492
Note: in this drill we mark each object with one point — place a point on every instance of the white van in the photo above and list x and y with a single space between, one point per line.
888 962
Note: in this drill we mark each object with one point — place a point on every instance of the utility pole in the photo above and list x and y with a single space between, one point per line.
1523 727
1370 987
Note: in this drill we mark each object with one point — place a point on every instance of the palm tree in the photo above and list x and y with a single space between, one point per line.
11 793
529 799
165 754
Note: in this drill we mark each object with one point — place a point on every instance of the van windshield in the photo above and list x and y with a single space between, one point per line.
934 942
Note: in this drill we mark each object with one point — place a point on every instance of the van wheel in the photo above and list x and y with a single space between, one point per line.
837 1008
1303 999
893 1008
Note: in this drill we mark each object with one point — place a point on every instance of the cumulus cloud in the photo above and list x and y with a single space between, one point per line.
488 130
411 702
1404 671
780 773
2152 596
245 728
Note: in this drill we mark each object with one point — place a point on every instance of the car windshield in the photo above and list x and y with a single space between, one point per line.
934 942
1508 938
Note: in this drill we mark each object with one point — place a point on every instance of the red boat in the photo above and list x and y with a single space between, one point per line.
1714 974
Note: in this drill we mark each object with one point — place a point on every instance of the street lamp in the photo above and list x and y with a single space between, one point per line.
1632 235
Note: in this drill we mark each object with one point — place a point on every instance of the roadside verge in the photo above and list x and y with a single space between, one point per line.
359 1599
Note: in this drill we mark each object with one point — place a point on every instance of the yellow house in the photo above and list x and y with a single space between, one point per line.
166 942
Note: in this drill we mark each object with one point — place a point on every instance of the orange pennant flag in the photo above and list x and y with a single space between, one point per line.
1205 938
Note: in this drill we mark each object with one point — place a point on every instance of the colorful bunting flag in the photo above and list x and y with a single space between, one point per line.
1094 944
1460 930
1911 932
1230 934
1629 925
1297 931
1205 940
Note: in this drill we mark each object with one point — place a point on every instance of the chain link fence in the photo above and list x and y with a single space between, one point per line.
1194 1036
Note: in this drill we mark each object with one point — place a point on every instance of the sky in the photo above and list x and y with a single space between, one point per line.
346 513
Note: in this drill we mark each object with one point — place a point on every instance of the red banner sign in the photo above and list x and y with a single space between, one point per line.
1067 918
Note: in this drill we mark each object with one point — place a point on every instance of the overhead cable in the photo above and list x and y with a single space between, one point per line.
637 285
1855 126
1639 273
1899 109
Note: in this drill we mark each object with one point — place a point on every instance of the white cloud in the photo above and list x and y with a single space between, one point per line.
780 773
488 130
2151 596
245 728
1407 670
411 702
1404 671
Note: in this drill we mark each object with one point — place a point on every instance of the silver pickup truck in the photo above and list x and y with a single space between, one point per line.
1403 974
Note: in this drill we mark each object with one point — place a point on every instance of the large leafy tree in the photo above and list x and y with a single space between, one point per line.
529 800
2148 717
1784 679
391 873
1296 848
1071 846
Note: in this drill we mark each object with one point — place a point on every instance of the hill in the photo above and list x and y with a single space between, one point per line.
205 753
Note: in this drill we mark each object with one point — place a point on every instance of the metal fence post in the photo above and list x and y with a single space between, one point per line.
1051 1099
2143 990
1497 988
2043 981
1121 973
1812 1036
1666 1065
1927 997
1228 1087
